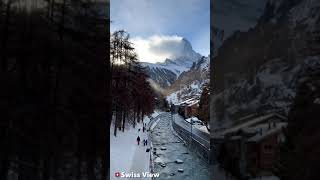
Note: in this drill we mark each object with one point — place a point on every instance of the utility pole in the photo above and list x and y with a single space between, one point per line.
191 121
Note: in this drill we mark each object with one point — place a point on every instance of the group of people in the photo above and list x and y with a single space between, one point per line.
144 128
145 141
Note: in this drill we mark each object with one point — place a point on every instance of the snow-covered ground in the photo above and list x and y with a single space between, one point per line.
202 128
195 120
125 155
198 124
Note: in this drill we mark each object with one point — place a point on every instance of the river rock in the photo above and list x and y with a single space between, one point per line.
163 148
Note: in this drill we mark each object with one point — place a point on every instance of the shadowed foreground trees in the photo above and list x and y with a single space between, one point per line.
300 155
54 90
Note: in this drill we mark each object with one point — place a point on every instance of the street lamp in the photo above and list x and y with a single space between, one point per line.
191 121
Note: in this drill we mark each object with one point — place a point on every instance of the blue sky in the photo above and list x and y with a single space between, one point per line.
150 20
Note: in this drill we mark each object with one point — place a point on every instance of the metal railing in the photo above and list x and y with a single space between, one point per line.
201 145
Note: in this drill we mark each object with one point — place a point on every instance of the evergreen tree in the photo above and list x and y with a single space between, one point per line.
204 104
131 91
299 155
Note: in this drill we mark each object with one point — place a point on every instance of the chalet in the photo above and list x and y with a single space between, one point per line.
192 109
188 108
251 147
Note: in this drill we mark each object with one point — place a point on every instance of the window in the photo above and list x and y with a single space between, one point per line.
268 148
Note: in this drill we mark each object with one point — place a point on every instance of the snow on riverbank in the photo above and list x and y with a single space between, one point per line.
198 124
155 114
125 155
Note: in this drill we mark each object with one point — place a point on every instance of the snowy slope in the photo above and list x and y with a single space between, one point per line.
190 83
273 89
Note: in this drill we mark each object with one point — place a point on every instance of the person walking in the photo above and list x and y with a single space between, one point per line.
146 142
138 140
143 128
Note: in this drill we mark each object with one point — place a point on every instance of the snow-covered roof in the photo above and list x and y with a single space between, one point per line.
247 124
187 102
266 131
191 103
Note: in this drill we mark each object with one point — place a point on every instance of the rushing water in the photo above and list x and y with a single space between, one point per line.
172 149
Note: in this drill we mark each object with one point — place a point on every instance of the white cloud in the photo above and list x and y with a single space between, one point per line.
145 18
157 48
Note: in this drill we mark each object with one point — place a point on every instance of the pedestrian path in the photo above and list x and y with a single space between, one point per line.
126 156
141 158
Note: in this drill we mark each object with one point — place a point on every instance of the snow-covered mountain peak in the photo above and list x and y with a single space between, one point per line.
186 49
184 54
165 73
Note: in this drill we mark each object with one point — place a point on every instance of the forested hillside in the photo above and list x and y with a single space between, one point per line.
258 71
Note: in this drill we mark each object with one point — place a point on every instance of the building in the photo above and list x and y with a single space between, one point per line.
192 109
263 147
251 147
188 108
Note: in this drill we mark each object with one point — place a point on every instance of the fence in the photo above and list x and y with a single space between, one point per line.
151 165
197 143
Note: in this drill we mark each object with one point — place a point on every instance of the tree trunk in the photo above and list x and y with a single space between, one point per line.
5 37
115 127
52 9
134 119
4 168
120 120
90 169
123 121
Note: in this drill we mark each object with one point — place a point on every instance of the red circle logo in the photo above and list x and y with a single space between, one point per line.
117 174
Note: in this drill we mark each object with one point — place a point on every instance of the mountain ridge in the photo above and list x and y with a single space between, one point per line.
165 73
